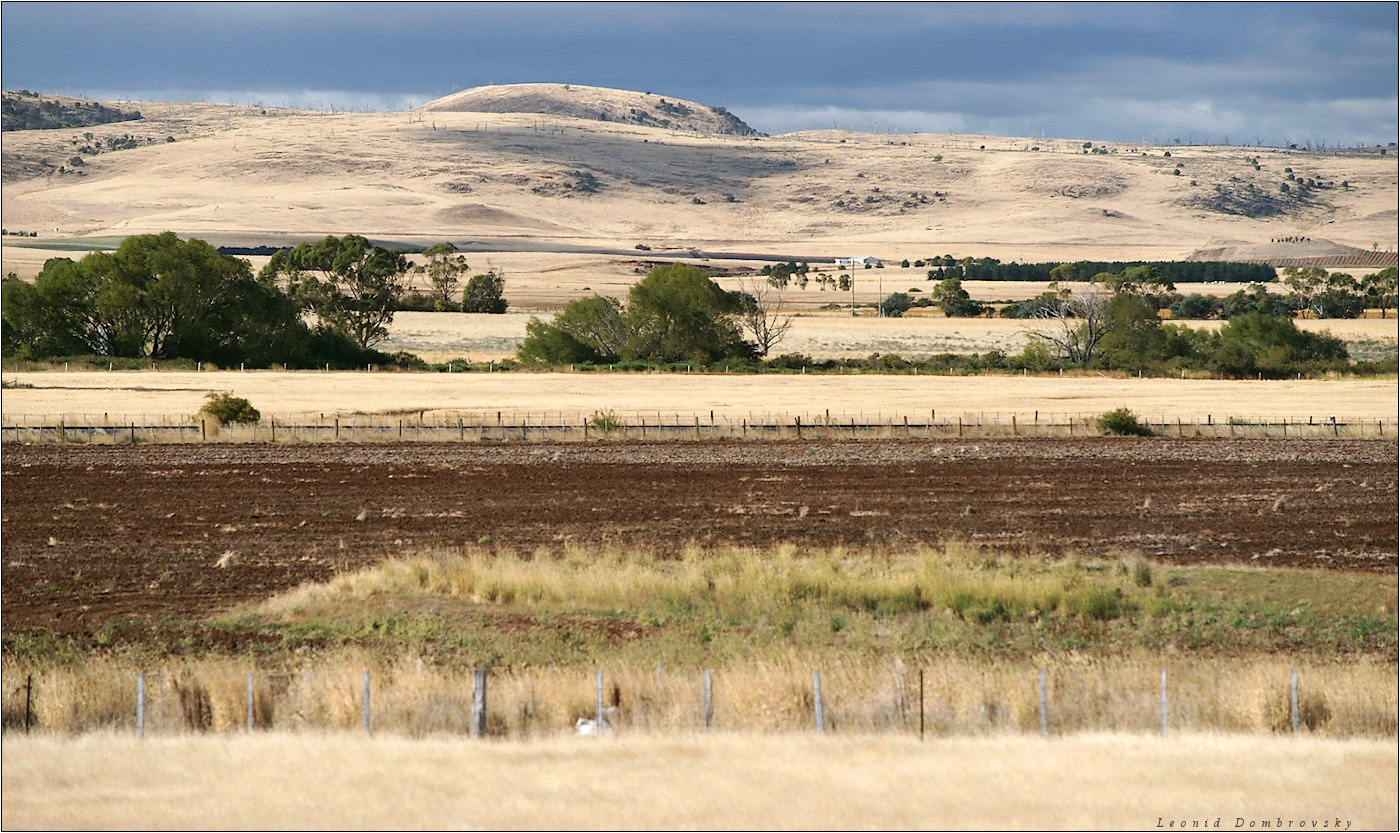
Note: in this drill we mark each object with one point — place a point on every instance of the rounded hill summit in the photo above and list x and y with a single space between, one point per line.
595 103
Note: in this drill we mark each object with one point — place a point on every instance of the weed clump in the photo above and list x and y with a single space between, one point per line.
1123 422
227 408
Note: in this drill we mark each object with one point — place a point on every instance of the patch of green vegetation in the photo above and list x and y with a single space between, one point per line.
24 110
728 605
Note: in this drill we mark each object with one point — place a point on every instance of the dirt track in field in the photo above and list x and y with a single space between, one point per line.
96 534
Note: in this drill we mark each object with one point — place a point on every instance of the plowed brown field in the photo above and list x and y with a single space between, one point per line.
97 534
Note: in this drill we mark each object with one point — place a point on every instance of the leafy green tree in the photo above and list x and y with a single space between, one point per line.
676 313
444 271
156 296
1134 339
587 331
1255 298
955 301
1335 295
485 293
1272 344
896 305
349 284
1380 289
1136 280
1197 307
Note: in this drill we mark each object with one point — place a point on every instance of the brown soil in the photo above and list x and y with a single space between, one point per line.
95 535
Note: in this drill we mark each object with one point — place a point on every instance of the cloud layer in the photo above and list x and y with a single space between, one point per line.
1248 73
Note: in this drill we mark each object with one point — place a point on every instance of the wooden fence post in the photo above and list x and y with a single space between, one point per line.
819 706
250 701
479 703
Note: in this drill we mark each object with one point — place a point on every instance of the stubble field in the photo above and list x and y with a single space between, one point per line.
724 781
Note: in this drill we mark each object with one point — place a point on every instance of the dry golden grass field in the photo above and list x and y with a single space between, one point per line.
721 781
89 396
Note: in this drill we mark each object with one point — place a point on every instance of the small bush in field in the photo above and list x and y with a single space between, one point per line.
1123 422
227 408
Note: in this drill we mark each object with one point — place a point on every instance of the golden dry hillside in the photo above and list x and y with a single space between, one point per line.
543 179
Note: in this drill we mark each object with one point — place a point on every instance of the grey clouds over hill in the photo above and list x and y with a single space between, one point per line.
1237 73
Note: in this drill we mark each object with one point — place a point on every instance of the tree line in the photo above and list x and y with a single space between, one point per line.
327 302
1175 271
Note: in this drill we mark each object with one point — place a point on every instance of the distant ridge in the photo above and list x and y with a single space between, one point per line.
595 103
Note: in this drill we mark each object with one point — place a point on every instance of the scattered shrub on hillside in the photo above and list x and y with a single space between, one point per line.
227 408
1123 422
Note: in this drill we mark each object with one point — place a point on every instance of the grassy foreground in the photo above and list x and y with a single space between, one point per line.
954 638
717 781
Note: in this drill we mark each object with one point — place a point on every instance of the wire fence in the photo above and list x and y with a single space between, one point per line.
1054 700
578 426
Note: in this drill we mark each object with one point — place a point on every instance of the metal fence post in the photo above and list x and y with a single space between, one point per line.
921 704
1295 701
367 702
1164 702
141 705
818 704
250 701
1044 704
600 700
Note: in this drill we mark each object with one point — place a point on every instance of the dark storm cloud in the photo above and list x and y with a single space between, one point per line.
1250 71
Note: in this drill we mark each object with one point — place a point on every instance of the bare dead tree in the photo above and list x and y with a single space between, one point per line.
761 317
1074 325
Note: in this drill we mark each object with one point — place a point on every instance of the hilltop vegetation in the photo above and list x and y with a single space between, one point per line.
25 110
595 104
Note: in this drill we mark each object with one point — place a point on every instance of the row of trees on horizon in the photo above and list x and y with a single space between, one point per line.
330 302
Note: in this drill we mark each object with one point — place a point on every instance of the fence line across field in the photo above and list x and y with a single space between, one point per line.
166 701
430 425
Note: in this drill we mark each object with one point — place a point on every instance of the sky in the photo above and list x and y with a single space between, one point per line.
1238 73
